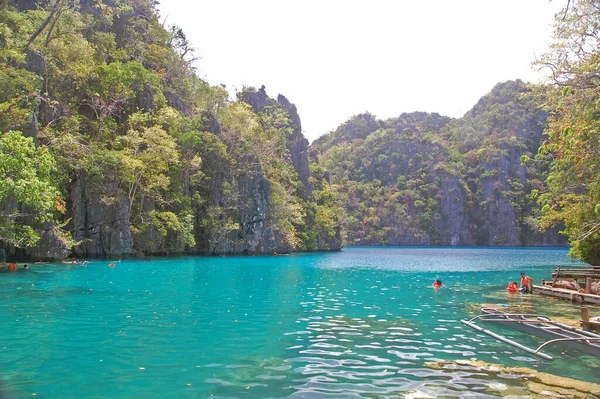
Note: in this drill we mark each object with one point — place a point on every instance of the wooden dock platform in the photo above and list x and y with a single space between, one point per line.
574 296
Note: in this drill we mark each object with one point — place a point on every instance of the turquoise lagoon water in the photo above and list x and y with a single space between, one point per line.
355 324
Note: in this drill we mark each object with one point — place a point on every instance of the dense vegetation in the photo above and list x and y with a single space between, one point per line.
503 191
424 179
110 144
573 198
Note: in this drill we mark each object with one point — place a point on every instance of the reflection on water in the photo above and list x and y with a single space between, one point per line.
365 322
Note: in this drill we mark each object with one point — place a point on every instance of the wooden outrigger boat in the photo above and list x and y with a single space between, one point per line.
540 326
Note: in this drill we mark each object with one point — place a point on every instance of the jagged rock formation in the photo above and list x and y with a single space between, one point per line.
297 149
296 143
151 159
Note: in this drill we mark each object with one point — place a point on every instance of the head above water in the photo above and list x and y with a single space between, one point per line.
522 273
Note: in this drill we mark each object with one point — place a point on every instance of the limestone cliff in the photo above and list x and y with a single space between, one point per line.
296 143
424 179
297 147
99 218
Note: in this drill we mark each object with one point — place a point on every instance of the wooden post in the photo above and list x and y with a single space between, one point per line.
585 317
588 285
555 276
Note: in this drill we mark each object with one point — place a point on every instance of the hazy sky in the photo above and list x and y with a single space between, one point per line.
335 59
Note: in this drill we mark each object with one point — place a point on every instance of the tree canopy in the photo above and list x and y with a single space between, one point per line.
28 194
140 154
573 133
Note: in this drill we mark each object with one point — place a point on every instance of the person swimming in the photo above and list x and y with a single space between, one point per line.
437 284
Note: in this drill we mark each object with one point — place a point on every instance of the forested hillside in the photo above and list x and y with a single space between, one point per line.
425 179
110 145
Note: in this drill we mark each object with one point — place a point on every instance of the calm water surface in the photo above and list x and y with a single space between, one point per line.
355 324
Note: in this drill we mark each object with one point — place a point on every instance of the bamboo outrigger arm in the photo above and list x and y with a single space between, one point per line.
506 340
552 341
539 316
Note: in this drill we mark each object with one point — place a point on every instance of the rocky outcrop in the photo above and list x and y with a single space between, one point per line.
454 222
255 234
49 247
510 128
425 179
100 218
297 144
297 147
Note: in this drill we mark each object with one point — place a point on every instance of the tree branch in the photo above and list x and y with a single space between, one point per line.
46 22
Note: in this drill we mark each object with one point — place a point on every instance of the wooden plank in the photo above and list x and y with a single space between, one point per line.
585 313
590 271
573 296
590 325
595 276
593 271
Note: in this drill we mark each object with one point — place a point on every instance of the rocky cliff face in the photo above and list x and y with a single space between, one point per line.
509 125
454 221
177 166
296 143
99 222
255 234
298 149
100 219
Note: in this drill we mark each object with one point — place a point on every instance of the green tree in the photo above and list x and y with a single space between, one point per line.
145 160
27 192
574 129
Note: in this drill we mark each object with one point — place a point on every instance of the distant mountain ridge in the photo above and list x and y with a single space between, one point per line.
427 179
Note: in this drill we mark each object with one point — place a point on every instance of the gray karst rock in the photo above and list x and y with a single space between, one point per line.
100 218
49 247
454 221
296 143
255 235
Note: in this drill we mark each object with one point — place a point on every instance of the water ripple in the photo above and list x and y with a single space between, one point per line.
306 326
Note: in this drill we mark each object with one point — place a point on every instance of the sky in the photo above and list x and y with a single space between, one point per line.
338 58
